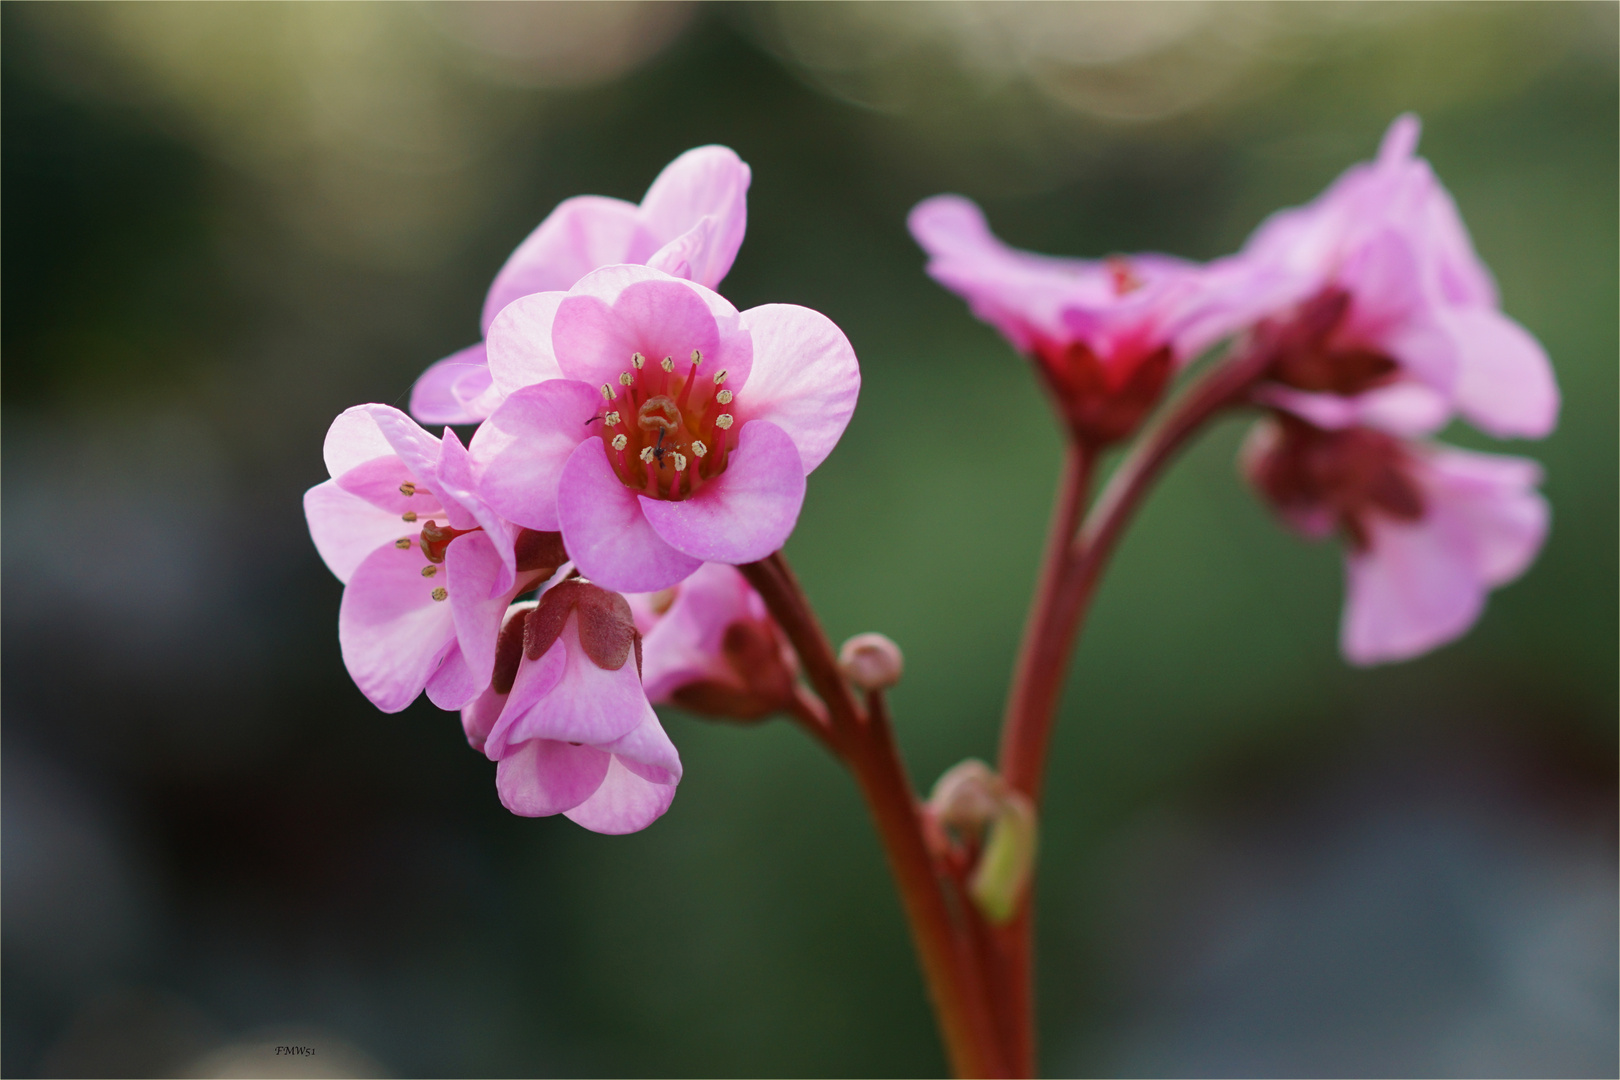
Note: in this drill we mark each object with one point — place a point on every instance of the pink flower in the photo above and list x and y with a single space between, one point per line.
566 718
690 224
1106 334
1382 313
657 427
1430 529
427 566
712 648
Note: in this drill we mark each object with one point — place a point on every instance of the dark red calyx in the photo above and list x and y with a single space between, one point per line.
508 653
607 632
762 677
435 538
1311 354
540 551
1352 473
1103 402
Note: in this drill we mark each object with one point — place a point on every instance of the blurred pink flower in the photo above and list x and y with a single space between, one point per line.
566 717
657 427
1430 529
1107 334
690 224
1380 312
712 648
427 566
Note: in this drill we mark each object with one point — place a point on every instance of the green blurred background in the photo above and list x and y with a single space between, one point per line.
223 224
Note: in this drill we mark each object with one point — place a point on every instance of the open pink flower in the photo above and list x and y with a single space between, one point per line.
711 647
1430 529
657 427
427 566
690 224
1383 313
1106 334
566 717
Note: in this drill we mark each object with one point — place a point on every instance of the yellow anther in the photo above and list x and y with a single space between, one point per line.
667 363
720 376
680 461
441 593
607 392
625 379
723 397
697 358
723 421
699 448
636 360
620 442
408 516
403 543
429 570
407 489
647 454
611 418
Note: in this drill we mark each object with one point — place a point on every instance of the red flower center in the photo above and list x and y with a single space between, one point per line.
668 432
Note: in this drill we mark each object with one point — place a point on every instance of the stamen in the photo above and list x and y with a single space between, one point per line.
680 461
429 570
620 442
403 543
720 377
611 419
697 358
667 363
441 593
723 421
698 448
407 489
625 378
636 360
647 454
408 516
607 392
724 396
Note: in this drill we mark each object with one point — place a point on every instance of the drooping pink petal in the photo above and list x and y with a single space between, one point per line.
587 705
472 569
519 453
417 448
1505 383
647 752
607 534
1403 408
1415 589
519 343
347 528
624 803
392 631
580 235
684 644
623 310
708 181
536 679
1494 497
452 686
743 514
805 377
467 509
544 777
447 391
478 717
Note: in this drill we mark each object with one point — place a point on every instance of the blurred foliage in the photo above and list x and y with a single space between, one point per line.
227 253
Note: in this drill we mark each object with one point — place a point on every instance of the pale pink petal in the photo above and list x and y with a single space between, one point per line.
676 257
347 528
352 440
445 393
520 343
536 679
479 717
606 532
463 501
587 705
623 310
392 631
709 181
543 777
382 483
1385 282
519 453
1400 139
746 512
624 803
647 752
1494 496
1416 588
1505 383
1426 351
1403 408
580 235
805 378
417 448
684 644
452 686
471 572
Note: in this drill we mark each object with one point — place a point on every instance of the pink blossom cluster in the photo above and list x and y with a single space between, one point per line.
637 434
1378 325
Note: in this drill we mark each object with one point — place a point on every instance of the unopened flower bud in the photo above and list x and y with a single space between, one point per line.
978 805
871 661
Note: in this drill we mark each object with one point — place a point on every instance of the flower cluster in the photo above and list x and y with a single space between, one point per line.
1377 325
638 434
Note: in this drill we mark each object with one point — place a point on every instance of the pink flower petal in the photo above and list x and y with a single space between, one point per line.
646 751
463 501
520 343
520 451
472 569
606 532
624 803
380 482
445 393
352 440
587 704
1505 384
543 777
405 437
1414 590
742 515
452 686
392 631
580 235
709 181
347 528
684 644
1494 498
535 681
805 378
623 310
478 717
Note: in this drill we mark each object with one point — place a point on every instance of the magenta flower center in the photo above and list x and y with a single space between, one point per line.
668 431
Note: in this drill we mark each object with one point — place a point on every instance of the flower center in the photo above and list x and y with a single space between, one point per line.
668 432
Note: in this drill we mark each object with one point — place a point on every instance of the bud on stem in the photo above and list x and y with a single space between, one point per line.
988 814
